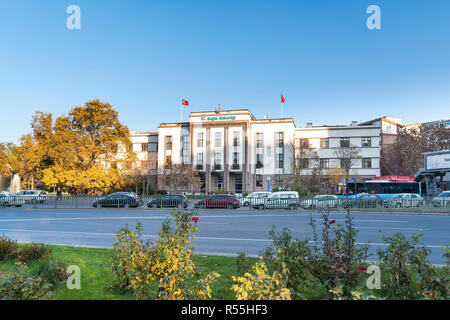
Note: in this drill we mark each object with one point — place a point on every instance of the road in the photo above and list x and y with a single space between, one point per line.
222 232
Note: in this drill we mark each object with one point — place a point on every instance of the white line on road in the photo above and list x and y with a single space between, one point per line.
197 238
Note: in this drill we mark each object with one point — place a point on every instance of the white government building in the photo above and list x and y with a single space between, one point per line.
235 152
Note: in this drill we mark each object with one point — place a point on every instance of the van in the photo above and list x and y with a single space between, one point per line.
280 200
255 198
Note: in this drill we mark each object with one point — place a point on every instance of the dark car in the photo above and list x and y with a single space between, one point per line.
363 201
219 201
118 200
169 201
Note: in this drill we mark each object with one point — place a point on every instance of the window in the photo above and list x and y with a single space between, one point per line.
200 139
236 138
280 138
259 140
186 142
367 163
235 158
199 161
279 179
168 142
168 160
153 147
144 147
217 160
259 160
345 142
324 163
324 143
259 180
280 160
218 139
366 142
186 159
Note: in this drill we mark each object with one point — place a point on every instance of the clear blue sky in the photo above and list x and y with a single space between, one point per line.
143 57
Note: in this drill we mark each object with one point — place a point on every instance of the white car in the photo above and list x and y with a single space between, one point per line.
280 200
254 198
404 200
32 196
321 201
7 200
442 200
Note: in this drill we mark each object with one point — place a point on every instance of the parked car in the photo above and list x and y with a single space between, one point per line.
32 196
442 200
321 201
280 200
169 201
7 200
119 199
405 200
362 200
255 198
219 201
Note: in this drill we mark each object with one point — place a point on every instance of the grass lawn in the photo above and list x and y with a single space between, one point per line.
97 280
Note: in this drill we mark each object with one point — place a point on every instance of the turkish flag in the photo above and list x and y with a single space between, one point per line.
184 102
282 99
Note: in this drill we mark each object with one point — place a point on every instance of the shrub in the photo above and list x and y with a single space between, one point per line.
296 256
19 286
242 264
51 271
410 274
33 252
260 285
165 262
331 260
8 248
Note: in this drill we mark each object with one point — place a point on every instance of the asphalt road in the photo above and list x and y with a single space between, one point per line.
222 232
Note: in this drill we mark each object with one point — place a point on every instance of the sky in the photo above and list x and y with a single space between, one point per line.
143 57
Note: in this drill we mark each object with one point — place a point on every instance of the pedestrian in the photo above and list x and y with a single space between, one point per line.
59 194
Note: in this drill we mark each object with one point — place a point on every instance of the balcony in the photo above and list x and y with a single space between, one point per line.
199 167
235 166
217 167
259 165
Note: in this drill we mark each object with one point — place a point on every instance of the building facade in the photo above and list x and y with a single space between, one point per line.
235 152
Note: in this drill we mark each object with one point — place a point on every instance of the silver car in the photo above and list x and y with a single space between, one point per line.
8 200
32 196
442 200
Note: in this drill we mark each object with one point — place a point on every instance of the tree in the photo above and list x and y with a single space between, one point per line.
180 177
306 170
76 151
9 163
349 157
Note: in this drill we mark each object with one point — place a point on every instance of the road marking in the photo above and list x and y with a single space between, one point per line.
98 218
196 238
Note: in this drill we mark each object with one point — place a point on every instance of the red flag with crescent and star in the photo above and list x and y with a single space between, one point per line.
184 102
282 99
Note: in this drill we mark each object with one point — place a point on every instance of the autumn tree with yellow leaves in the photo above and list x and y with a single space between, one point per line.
86 150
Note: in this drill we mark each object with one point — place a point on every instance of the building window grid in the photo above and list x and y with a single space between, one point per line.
236 138
200 140
345 142
259 140
218 139
324 143
366 141
367 163
280 139
168 142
